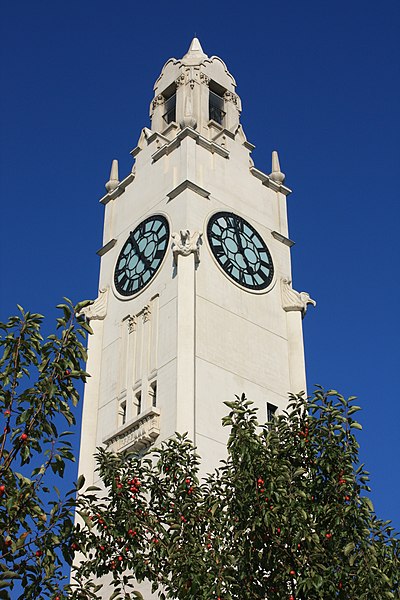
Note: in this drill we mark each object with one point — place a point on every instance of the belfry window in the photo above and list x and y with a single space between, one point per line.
138 403
122 413
170 105
216 103
153 393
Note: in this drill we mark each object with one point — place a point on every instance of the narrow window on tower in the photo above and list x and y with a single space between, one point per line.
169 94
138 402
153 393
271 411
122 414
216 103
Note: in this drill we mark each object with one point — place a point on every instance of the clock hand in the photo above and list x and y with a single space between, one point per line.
239 243
137 249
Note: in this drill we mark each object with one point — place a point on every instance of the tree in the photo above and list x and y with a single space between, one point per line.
286 516
37 394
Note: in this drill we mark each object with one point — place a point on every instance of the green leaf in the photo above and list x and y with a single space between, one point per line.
348 548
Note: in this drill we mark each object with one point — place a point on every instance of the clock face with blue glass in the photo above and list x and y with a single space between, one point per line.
142 255
240 251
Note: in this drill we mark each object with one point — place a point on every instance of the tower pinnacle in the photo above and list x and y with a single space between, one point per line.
195 50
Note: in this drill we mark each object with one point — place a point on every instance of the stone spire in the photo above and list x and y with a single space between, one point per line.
195 52
276 173
113 182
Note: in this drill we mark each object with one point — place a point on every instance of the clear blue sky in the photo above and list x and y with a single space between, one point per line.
319 82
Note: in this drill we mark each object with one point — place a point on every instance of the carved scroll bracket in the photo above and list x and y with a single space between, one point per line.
293 300
97 310
186 242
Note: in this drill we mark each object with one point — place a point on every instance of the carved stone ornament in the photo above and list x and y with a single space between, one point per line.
186 242
204 79
180 80
132 324
158 100
145 313
231 97
98 309
139 433
293 300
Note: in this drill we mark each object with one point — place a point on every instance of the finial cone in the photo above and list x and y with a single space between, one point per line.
195 50
276 173
113 182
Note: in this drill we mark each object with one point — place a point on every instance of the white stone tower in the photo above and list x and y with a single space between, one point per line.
195 301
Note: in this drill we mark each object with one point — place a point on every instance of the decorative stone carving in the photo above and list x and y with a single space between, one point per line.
97 310
276 173
231 97
132 323
113 182
145 313
158 100
180 80
204 79
138 433
293 300
186 242
188 119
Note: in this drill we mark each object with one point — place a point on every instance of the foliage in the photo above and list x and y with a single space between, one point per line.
286 516
37 379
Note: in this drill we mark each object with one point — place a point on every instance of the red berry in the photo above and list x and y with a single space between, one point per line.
328 536
2 489
7 413
67 372
299 546
292 572
120 558
38 553
347 498
24 437
278 530
74 546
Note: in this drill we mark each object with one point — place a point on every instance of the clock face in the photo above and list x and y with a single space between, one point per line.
141 255
240 250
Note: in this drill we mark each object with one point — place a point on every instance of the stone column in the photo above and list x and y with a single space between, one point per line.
186 256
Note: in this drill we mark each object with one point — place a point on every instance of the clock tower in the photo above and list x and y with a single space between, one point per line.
195 297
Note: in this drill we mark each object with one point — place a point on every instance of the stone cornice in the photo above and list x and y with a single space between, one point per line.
118 190
200 140
268 182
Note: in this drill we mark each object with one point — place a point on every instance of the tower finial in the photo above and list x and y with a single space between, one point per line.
195 50
276 173
113 182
